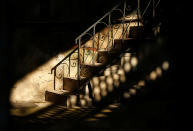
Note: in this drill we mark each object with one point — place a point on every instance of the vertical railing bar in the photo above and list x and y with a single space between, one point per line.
98 44
79 43
153 4
98 41
109 25
93 44
83 60
112 36
124 6
138 11
69 67
54 79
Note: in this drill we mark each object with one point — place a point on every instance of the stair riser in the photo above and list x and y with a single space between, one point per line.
136 32
56 98
89 70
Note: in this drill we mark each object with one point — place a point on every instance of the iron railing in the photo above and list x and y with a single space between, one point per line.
121 7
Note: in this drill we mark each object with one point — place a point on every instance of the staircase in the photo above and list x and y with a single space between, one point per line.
100 59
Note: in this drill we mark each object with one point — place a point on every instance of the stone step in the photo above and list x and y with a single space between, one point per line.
69 83
119 21
88 70
57 96
121 45
136 32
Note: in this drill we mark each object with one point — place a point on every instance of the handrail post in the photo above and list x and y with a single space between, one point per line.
69 67
153 13
112 37
124 7
93 44
54 79
109 25
83 52
98 41
79 44
138 11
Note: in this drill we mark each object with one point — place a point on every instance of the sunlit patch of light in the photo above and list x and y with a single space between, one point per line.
132 91
121 72
110 88
116 80
126 95
91 119
153 75
141 83
83 102
113 106
109 80
136 86
96 90
106 111
95 81
103 85
97 97
73 100
134 61
100 115
107 72
104 93
102 78
86 90
127 67
159 71
165 65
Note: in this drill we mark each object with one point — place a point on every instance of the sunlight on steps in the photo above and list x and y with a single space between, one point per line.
32 87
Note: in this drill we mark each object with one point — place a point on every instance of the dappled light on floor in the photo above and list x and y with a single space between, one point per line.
165 65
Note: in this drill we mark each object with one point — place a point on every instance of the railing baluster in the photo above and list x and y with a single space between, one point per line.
83 60
69 67
109 26
93 44
153 4
54 79
138 12
124 7
79 44
112 36
98 41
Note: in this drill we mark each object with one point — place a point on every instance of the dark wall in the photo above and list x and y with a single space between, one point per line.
42 28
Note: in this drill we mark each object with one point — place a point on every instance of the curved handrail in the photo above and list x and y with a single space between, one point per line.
53 68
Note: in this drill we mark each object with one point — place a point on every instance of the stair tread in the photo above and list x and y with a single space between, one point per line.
75 78
95 64
125 39
59 92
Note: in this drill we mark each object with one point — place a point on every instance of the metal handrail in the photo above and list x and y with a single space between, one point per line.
108 13
146 8
154 7
53 68
78 39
